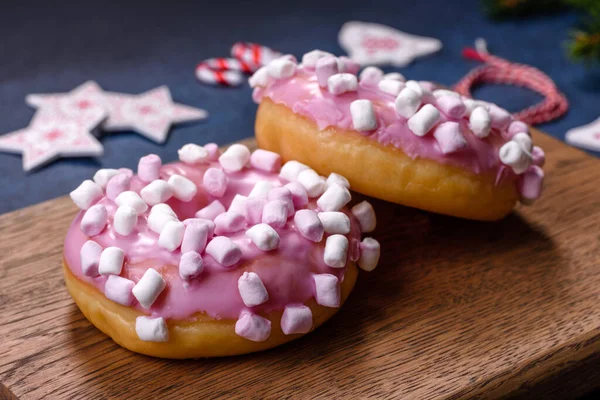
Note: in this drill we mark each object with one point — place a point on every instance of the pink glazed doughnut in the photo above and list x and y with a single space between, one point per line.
402 141
215 255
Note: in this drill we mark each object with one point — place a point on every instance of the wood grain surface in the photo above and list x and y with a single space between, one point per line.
456 309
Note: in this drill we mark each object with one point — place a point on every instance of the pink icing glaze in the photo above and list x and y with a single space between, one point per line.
286 272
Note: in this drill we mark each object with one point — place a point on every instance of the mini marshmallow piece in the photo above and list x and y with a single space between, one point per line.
480 122
194 238
215 181
451 106
252 290
396 76
94 220
283 193
151 329
524 141
391 86
281 68
312 182
238 204
296 319
211 211
125 220
334 198
213 151
449 137
149 168
192 154
335 222
86 194
253 327
111 261
348 65
149 287
407 103
371 76
291 170
424 120
326 67
538 155
210 225
365 215
90 258
117 185
514 156
118 289
299 195
158 218
369 254
530 184
445 93
190 265
102 176
517 127
155 192
235 158
264 237
229 222
327 290
164 208
171 235
182 188
337 179
275 213
415 87
341 83
309 225
265 160
354 250
471 104
260 78
336 251
254 209
224 251
363 115
310 59
261 189
500 117
133 200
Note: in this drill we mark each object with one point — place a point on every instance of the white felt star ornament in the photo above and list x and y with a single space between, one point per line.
151 114
375 44
586 136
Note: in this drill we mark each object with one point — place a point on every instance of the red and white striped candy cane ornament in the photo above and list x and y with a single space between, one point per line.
500 71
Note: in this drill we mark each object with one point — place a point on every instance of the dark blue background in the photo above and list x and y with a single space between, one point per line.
134 47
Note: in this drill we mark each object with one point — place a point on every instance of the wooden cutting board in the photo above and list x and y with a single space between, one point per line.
456 309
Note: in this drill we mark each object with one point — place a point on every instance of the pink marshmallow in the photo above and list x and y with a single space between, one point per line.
252 290
449 137
190 265
354 250
341 83
296 319
215 181
348 65
211 211
309 225
500 117
530 184
265 160
194 237
254 209
326 67
117 185
224 251
451 106
299 195
371 76
284 194
539 156
213 151
86 194
516 127
238 204
118 289
327 290
202 221
253 327
94 220
370 251
90 258
275 213
229 222
149 168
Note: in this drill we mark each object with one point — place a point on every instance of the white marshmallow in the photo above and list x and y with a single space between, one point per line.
365 215
90 258
149 287
171 235
94 220
407 103
275 213
336 251
444 92
309 225
327 290
396 76
370 251
182 188
165 208
312 182
310 59
263 236
363 115
334 198
125 220
159 217
371 76
524 140
190 265
253 327
341 83
192 154
224 251
291 170
513 155
252 290
133 200
151 329
86 194
299 196
296 319
335 222
390 86
261 189
471 105
195 237
157 191
235 158
238 204
102 176
229 222
337 179
281 68
260 78
211 211
111 261
118 289
415 86
424 120
480 122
